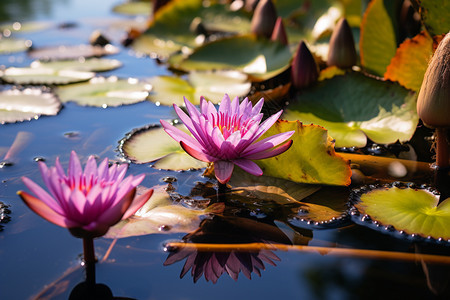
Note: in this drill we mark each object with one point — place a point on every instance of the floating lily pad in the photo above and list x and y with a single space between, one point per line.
134 8
410 210
103 92
410 62
170 30
311 158
168 90
72 52
435 16
151 144
260 58
160 215
44 76
10 45
353 107
20 105
378 41
25 26
86 65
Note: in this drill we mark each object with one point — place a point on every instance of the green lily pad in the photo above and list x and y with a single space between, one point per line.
151 144
86 65
311 158
44 76
72 52
25 26
134 8
353 107
26 104
11 45
410 62
378 40
168 90
260 58
103 92
413 211
435 16
170 31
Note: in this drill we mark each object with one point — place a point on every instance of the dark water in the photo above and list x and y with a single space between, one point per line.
37 257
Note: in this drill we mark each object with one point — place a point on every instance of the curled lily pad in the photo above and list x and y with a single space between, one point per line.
353 107
151 144
72 52
44 76
30 103
168 90
10 45
105 92
86 65
409 211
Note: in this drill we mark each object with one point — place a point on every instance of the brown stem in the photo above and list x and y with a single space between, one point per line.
442 155
89 260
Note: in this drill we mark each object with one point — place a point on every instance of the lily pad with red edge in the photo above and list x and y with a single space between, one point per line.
151 144
103 92
260 58
72 52
410 62
169 90
44 76
354 107
311 158
409 212
17 105
435 16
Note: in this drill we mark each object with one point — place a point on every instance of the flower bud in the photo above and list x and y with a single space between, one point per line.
264 19
279 32
433 103
304 70
342 52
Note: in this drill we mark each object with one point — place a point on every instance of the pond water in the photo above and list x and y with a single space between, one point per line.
38 258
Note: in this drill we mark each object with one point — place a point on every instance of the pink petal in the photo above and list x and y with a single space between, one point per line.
234 107
137 203
42 195
179 135
258 106
223 170
248 166
271 152
225 105
42 209
268 143
200 155
266 125
114 213
75 170
90 169
193 111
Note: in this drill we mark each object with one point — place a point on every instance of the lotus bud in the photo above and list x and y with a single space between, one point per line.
342 52
264 19
279 32
304 70
250 5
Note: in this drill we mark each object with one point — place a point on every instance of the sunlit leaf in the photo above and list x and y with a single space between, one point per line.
160 215
20 105
378 41
435 16
134 8
105 92
354 106
414 211
168 90
153 145
71 52
311 158
44 76
10 45
410 62
260 58
87 65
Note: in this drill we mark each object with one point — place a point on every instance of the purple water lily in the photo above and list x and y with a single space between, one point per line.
228 136
86 202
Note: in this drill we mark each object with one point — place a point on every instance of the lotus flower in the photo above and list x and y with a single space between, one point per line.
86 202
228 137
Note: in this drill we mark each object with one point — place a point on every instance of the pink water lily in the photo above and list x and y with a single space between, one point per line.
228 136
86 202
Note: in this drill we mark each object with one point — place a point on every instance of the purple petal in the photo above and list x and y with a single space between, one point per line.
137 203
271 152
234 107
248 166
268 143
114 213
193 111
263 127
179 135
200 155
225 105
42 195
258 106
223 170
75 170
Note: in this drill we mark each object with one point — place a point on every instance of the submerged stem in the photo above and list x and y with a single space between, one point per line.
89 260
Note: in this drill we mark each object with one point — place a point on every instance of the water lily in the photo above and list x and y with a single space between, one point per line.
228 136
86 202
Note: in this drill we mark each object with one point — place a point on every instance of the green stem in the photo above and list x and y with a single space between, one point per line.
89 260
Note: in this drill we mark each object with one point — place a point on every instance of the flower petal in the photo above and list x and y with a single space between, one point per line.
248 166
179 135
114 214
223 170
137 203
200 155
271 152
42 195
267 143
225 105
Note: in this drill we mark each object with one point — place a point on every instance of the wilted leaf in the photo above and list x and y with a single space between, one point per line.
44 76
20 105
411 61
168 90
354 106
153 144
87 65
413 211
311 158
105 92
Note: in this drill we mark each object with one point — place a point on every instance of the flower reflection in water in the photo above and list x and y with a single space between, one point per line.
228 230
